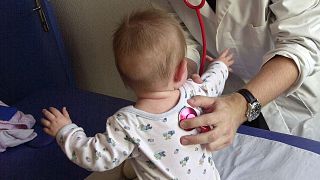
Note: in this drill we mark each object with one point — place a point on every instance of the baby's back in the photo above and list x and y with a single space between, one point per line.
159 154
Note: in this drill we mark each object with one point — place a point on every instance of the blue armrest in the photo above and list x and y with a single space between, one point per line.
42 158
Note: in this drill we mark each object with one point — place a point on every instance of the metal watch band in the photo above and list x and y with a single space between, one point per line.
254 106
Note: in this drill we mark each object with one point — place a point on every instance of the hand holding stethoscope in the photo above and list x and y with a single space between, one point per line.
189 112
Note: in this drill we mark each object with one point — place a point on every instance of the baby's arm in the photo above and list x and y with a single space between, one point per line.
215 76
102 152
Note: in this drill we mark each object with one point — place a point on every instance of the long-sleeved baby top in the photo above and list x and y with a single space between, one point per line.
151 142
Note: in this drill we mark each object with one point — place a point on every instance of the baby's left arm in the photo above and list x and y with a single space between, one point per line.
214 78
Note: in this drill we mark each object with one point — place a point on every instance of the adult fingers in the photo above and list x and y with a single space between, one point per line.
215 135
201 138
201 101
203 120
219 144
216 139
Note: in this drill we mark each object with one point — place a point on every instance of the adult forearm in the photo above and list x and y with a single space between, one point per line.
274 78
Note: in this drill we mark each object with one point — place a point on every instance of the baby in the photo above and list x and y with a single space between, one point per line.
149 48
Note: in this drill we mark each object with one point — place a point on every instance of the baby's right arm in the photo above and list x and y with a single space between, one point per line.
102 152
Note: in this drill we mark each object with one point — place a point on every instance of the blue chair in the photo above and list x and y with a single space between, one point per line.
35 73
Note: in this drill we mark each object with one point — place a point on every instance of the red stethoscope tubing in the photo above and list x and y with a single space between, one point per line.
203 33
188 112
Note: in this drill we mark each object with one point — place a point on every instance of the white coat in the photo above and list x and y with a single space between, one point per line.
257 30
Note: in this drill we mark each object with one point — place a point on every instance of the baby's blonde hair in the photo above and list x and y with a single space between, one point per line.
148 45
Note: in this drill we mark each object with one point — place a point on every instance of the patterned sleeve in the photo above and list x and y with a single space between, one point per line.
214 79
193 47
102 152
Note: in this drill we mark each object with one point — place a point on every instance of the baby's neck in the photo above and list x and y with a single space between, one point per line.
157 102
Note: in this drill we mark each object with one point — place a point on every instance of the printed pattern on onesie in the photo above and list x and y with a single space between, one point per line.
151 142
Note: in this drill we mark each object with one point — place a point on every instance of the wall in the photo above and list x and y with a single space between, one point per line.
87 28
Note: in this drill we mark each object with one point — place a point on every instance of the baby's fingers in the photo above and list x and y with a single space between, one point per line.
48 114
196 78
209 58
229 57
48 131
45 122
65 112
229 62
55 111
224 53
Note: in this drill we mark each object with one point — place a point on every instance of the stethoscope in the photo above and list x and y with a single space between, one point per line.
188 112
203 33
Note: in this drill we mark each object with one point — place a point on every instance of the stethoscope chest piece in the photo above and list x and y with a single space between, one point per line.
187 113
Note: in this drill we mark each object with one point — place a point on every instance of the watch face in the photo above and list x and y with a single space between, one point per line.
254 110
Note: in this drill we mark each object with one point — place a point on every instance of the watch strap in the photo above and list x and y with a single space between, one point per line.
247 95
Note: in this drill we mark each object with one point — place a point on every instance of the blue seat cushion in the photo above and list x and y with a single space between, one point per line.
88 110
6 113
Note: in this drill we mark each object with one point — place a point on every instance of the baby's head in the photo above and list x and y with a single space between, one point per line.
148 46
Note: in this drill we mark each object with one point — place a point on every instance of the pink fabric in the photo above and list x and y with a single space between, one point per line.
17 130
18 121
3 104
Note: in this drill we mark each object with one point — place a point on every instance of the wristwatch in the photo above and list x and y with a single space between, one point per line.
254 106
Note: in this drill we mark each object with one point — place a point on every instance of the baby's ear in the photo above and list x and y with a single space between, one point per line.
181 72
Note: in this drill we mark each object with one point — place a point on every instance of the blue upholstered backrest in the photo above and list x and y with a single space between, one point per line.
30 58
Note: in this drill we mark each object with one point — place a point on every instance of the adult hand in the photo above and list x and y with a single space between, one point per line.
224 114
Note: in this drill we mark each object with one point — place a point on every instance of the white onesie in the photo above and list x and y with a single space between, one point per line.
151 142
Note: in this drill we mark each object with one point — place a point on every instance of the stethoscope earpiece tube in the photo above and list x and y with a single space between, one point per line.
203 33
188 112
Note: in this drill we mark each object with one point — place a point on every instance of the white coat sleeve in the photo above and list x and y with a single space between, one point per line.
102 152
193 47
295 30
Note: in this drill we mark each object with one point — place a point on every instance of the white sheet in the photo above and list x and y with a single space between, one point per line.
254 158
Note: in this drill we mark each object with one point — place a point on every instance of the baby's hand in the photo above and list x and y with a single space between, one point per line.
226 57
54 120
